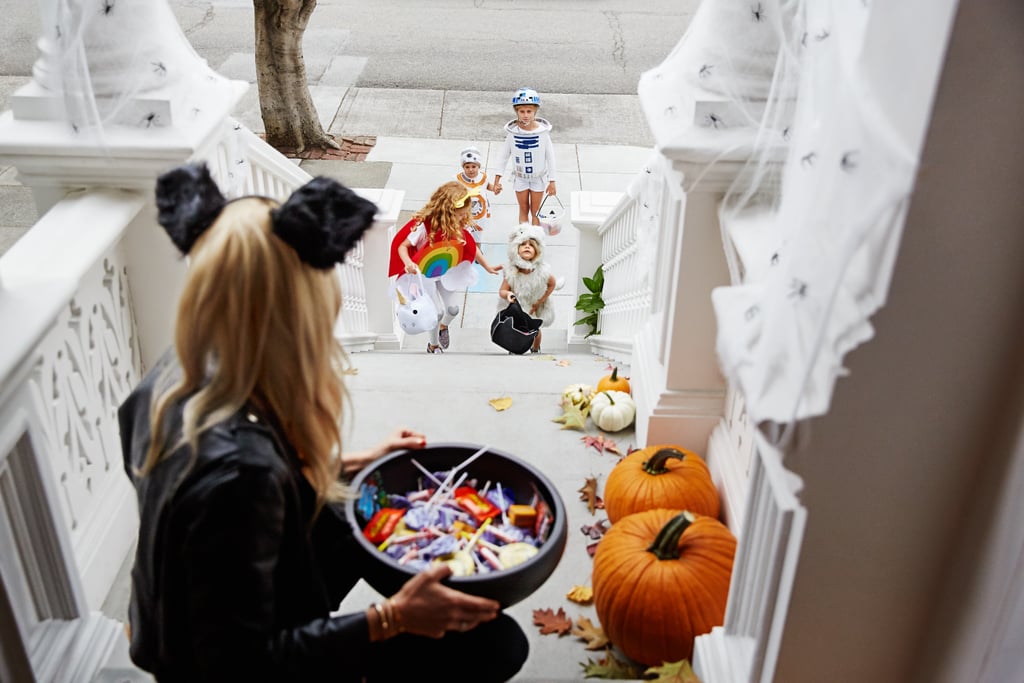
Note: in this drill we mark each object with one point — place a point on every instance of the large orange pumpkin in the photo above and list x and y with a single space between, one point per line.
660 477
660 579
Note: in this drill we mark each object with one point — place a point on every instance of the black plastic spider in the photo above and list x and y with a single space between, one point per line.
713 120
149 120
822 35
159 68
808 159
849 161
757 12
775 259
797 288
705 71
108 7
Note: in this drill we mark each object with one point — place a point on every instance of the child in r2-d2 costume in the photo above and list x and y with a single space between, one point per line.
528 277
528 144
475 180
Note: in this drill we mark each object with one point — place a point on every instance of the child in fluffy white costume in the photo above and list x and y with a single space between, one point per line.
528 278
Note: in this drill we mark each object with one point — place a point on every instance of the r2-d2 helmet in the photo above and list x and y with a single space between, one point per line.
525 96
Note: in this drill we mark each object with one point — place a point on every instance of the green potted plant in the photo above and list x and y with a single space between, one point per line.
590 302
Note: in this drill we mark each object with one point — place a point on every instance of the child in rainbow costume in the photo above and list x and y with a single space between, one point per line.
437 242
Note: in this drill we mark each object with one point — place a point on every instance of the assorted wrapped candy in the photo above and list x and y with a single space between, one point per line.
475 530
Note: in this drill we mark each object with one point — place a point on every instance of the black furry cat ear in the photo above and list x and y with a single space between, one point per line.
187 201
323 220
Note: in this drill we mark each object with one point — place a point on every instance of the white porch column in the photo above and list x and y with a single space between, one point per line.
679 391
588 211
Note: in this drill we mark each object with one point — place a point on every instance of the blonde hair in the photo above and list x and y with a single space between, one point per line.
440 211
256 323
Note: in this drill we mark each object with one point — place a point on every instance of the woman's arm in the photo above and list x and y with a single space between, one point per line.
400 439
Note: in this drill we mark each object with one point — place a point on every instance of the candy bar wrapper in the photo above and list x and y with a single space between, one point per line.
545 518
382 524
471 501
367 504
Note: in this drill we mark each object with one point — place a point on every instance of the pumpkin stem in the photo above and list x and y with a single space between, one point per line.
666 544
615 373
656 463
610 399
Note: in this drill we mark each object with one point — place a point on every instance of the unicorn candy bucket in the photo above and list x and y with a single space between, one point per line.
550 215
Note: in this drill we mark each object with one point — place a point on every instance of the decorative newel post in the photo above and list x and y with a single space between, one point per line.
704 105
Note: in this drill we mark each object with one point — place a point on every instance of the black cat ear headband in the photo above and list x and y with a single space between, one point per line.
322 220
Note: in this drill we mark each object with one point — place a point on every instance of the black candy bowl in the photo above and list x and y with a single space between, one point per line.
398 475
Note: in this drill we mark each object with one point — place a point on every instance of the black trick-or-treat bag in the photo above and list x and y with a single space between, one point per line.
513 329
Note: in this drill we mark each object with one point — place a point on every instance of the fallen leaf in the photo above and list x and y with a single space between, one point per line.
564 363
592 548
600 443
631 449
596 530
503 403
588 492
571 418
609 667
585 629
552 622
581 595
350 371
546 356
674 672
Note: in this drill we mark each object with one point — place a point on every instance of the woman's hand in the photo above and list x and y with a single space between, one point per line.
551 188
497 187
401 438
493 270
412 268
426 607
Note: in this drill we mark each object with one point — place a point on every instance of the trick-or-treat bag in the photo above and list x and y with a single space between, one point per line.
513 329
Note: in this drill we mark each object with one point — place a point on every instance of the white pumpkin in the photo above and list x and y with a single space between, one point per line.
578 395
612 411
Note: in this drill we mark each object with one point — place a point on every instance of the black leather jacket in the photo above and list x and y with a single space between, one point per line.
234 578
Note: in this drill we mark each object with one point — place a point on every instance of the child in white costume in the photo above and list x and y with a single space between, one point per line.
528 144
475 180
528 277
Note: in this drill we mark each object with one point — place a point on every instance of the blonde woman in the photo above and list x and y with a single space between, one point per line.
445 218
233 443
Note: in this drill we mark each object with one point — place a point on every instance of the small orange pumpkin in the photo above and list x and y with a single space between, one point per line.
660 477
613 382
660 579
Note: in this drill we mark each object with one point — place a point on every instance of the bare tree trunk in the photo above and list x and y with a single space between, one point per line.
289 118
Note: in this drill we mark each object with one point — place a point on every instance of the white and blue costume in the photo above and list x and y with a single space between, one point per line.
532 154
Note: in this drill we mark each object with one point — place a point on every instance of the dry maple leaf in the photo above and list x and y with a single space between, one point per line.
596 530
585 629
581 595
350 371
673 672
609 667
572 418
503 403
600 443
564 363
546 356
552 622
588 492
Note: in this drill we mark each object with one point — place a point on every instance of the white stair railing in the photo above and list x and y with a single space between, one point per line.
243 164
745 648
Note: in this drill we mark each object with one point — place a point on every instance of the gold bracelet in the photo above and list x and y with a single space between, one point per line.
394 615
383 620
